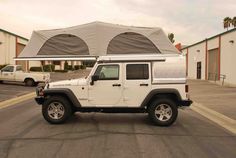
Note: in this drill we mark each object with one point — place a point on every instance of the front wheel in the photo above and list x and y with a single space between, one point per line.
56 110
163 112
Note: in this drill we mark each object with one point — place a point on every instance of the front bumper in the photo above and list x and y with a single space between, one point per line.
39 100
185 102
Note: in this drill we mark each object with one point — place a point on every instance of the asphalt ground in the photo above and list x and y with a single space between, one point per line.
24 133
10 90
216 97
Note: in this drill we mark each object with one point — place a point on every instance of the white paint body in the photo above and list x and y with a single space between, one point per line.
17 75
130 93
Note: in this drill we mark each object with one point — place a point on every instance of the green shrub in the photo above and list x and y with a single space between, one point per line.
70 67
83 66
77 67
89 63
49 68
66 65
61 71
36 69
2 66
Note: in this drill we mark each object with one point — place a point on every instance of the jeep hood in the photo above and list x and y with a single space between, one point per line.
71 82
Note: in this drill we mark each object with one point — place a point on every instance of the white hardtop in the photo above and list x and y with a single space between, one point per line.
158 57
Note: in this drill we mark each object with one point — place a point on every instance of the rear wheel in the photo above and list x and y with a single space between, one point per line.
56 110
163 112
29 82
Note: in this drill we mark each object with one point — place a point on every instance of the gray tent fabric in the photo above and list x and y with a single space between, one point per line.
64 44
97 39
131 43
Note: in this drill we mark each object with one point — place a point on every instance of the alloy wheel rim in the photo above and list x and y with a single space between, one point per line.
163 112
56 110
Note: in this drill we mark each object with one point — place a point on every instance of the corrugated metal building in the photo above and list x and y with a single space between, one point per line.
213 58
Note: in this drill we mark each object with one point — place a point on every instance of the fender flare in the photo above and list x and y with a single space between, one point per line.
161 91
65 92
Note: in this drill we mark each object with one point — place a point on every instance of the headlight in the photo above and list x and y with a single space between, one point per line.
40 91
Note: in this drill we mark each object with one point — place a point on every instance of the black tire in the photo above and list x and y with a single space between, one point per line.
62 102
29 82
73 110
157 106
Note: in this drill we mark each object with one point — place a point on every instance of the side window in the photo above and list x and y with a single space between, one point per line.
108 72
8 69
137 72
18 68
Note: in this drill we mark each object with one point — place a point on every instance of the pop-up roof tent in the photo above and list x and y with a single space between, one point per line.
95 39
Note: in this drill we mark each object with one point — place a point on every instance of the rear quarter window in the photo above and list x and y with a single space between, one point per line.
137 72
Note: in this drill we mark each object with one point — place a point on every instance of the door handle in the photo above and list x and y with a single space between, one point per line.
143 84
116 85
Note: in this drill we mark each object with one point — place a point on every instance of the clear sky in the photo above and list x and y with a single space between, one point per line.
189 20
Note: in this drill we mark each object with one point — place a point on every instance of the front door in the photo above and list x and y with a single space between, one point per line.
137 83
107 90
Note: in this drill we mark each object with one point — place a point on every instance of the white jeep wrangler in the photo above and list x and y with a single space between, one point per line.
153 84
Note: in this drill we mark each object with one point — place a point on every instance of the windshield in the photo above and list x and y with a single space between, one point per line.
8 69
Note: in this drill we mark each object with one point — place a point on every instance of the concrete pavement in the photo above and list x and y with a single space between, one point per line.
219 98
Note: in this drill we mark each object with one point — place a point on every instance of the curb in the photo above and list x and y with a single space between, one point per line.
16 100
220 119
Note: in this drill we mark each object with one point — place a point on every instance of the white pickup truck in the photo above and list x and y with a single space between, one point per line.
14 73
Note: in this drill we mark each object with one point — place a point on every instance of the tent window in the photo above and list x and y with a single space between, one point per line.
64 44
131 43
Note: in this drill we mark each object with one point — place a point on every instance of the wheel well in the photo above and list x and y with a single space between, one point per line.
171 96
28 78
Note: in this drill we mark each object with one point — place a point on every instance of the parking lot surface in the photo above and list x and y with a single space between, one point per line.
24 133
219 98
10 90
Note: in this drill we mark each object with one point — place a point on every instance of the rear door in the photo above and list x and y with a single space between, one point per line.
137 83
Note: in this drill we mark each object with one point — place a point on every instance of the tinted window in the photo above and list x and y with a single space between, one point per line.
137 71
108 72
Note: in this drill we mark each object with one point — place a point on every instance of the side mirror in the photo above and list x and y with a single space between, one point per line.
94 78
